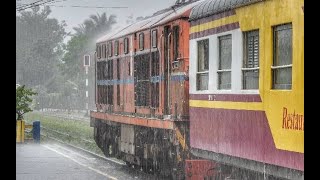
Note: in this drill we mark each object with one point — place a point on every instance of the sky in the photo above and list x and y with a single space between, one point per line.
74 16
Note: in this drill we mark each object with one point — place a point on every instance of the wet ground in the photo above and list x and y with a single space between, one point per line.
57 161
76 115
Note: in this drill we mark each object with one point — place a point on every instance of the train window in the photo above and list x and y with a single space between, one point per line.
142 79
203 65
98 51
109 88
103 54
225 58
154 38
141 41
155 70
116 48
126 45
175 42
282 57
109 46
250 69
118 85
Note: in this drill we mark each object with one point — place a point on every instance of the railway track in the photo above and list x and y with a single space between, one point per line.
84 150
136 173
54 135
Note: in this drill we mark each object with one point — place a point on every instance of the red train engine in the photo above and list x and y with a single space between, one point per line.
142 92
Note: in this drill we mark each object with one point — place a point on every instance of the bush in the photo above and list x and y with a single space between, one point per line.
23 100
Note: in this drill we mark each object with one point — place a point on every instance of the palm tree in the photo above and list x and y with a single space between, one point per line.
95 25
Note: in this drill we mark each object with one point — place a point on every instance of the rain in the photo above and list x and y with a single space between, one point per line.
170 89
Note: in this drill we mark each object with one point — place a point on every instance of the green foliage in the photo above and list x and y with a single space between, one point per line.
46 64
39 46
76 128
23 100
83 42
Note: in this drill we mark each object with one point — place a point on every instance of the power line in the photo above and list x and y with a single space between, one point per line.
24 5
73 6
101 7
31 5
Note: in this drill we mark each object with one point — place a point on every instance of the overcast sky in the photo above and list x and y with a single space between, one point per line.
75 16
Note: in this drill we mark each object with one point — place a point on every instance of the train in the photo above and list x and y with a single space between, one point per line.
209 89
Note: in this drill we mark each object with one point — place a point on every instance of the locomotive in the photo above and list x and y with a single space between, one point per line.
142 92
209 89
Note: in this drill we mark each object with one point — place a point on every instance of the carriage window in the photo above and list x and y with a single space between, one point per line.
282 57
110 49
225 57
141 41
250 69
126 45
116 48
154 38
103 51
109 76
118 85
176 33
203 65
142 79
99 51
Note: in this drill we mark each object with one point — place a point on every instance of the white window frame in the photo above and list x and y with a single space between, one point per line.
219 61
206 71
243 69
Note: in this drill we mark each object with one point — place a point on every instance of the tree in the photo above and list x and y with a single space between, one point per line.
39 46
23 100
82 42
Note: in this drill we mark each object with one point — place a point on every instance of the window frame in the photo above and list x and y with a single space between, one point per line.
205 71
176 39
219 70
126 45
244 68
154 38
103 50
109 48
275 29
141 35
99 51
116 48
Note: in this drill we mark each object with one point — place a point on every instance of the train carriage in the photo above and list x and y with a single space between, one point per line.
247 86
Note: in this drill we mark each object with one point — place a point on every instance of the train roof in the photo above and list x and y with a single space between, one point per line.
211 7
158 18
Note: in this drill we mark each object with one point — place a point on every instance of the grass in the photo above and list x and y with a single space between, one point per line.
76 129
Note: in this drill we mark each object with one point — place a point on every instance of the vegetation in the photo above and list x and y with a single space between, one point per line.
83 42
48 65
80 133
23 101
39 46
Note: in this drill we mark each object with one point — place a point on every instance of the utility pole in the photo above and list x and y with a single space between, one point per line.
86 64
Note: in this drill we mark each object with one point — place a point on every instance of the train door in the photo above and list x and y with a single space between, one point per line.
167 70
